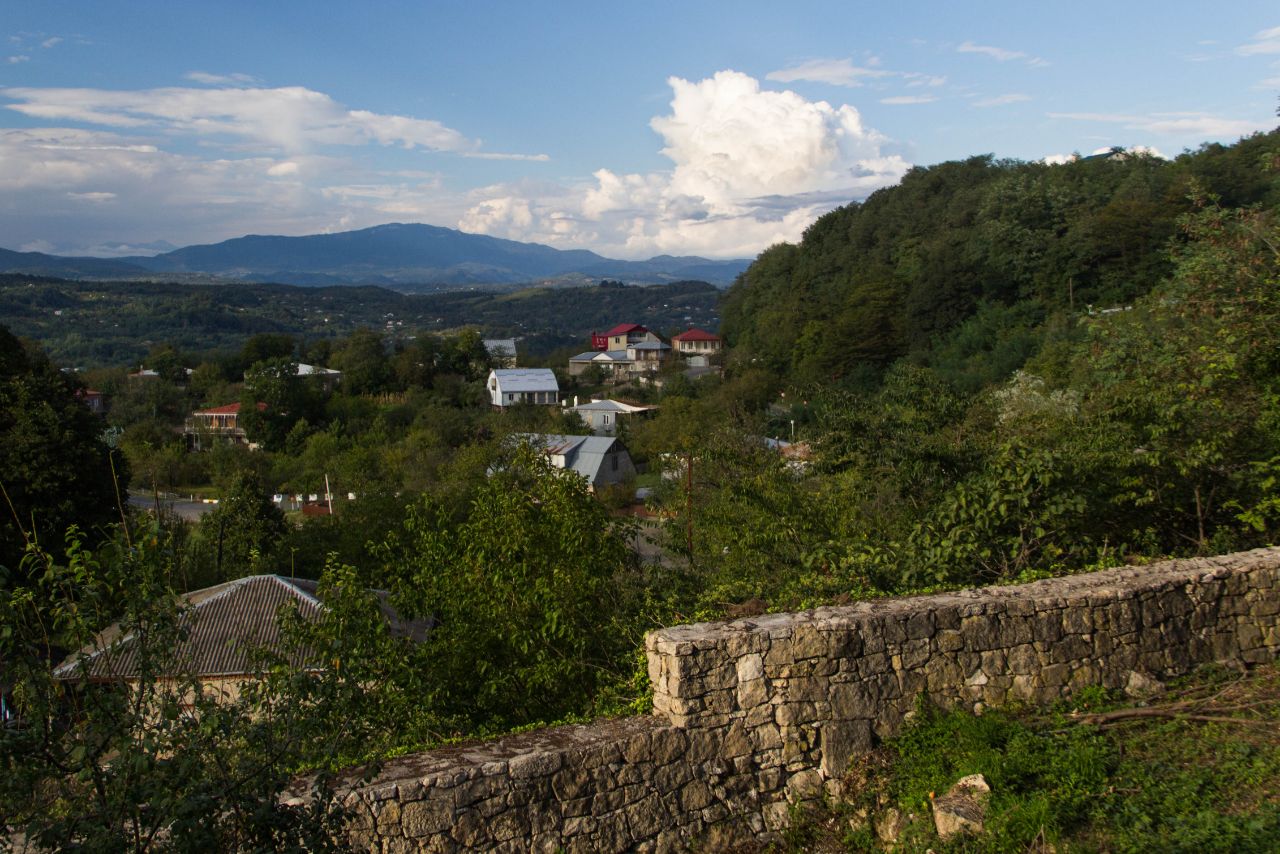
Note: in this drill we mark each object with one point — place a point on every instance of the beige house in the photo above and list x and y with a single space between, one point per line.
221 424
697 342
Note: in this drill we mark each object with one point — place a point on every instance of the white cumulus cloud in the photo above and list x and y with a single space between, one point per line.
750 167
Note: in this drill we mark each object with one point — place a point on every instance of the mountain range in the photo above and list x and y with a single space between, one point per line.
404 256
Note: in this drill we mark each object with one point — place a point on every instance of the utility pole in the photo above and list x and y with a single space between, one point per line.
688 503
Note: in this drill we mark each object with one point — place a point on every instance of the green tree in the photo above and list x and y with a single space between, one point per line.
528 583
241 535
54 468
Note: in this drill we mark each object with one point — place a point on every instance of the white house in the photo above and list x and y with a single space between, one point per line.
615 363
603 416
510 386
602 460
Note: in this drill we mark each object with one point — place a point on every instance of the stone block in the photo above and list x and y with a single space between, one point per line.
840 742
423 818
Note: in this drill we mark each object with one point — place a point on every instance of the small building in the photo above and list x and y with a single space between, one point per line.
602 460
696 345
615 363
221 424
94 399
225 626
648 355
512 386
604 416
502 352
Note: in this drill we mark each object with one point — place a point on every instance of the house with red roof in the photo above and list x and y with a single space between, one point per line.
622 336
207 427
697 342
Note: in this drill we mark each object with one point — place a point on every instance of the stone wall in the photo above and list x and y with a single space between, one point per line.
753 715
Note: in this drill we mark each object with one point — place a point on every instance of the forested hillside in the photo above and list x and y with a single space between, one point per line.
98 324
964 265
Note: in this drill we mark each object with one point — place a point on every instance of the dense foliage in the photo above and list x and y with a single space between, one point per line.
962 264
54 469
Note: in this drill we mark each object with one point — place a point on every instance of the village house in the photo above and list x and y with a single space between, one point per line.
502 352
604 416
648 356
512 386
696 346
225 627
602 460
621 337
221 424
614 363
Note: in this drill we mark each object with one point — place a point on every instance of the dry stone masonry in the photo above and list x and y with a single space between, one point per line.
755 715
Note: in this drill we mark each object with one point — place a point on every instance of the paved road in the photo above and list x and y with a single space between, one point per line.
189 510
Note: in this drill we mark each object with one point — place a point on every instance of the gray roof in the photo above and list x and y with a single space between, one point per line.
526 379
609 406
500 346
601 355
305 370
225 625
649 345
582 454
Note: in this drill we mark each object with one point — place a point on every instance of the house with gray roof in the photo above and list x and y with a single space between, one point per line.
615 363
512 386
225 627
604 416
502 351
602 460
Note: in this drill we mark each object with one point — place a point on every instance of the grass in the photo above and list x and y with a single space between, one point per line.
1196 769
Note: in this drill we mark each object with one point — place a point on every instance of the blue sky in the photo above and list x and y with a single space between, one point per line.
684 128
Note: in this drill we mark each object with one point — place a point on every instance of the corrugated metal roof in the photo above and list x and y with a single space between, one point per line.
649 345
526 379
609 406
583 454
500 346
305 370
601 356
225 625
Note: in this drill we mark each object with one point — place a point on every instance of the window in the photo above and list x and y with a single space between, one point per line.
606 418
614 459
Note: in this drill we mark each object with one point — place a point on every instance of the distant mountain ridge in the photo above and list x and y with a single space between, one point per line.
396 254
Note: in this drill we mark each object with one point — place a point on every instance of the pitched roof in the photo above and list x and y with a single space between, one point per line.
583 454
500 346
225 625
305 370
610 406
229 409
601 356
625 328
526 379
649 345
695 335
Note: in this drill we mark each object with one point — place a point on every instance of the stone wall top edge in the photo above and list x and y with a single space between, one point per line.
1114 581
473 755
